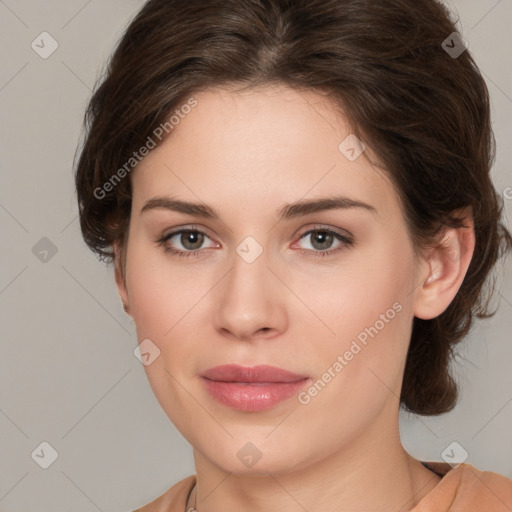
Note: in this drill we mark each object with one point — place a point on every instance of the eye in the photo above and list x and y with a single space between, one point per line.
322 239
190 240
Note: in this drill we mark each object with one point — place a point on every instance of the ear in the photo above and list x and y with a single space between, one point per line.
119 272
446 266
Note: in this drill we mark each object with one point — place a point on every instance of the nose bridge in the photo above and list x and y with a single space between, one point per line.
248 279
246 302
250 250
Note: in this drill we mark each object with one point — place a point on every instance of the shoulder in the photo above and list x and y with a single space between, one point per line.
492 489
467 488
174 499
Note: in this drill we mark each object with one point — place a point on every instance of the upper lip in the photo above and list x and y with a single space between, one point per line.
260 373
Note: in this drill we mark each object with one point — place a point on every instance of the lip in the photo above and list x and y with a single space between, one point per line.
254 388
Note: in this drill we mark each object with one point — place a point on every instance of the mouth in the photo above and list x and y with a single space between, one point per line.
252 389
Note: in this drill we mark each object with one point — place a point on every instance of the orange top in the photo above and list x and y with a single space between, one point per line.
463 489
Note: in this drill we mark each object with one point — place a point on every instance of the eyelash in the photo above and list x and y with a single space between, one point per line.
347 242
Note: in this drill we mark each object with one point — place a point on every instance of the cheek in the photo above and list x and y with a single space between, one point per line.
370 287
152 300
162 298
157 289
368 305
156 293
166 298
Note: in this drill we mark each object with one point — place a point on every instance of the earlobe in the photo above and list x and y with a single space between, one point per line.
447 266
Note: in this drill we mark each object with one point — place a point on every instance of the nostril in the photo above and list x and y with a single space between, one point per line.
264 330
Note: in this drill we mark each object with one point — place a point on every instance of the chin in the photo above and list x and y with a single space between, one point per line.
257 457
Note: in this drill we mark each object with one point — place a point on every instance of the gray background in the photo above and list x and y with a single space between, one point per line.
68 373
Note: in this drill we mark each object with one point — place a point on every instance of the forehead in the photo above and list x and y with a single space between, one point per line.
267 144
271 114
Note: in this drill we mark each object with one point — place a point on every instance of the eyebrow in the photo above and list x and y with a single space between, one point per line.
288 211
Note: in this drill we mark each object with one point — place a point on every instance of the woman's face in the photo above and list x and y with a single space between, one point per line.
253 288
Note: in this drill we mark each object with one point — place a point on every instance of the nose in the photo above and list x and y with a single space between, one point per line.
250 301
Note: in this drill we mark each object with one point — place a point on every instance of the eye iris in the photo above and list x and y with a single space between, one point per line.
324 238
194 237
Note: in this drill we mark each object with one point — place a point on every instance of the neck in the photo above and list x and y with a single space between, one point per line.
373 473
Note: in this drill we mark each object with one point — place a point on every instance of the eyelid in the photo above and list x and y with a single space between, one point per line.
186 227
321 227
316 227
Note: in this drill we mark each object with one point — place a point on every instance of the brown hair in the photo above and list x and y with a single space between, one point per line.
424 112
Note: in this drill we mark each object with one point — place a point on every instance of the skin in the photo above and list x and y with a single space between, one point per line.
246 154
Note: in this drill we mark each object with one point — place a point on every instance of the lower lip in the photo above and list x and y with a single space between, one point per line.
253 397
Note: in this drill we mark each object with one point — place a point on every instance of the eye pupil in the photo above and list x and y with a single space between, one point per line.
191 237
324 238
